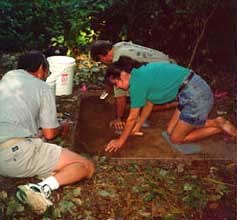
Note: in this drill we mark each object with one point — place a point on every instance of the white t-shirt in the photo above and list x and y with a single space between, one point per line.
138 52
26 104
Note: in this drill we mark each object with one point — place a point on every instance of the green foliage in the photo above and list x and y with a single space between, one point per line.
194 195
171 190
105 193
89 71
172 26
8 62
38 23
13 206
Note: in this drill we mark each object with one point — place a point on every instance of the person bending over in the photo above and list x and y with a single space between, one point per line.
158 83
107 53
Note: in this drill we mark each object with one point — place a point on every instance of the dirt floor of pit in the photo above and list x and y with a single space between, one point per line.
93 133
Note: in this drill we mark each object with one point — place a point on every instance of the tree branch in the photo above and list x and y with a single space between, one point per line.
202 34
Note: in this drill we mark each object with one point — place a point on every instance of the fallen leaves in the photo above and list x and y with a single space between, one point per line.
136 190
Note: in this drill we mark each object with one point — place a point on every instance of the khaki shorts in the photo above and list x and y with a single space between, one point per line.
120 92
29 157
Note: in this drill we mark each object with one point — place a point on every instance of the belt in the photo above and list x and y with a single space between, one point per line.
186 81
11 142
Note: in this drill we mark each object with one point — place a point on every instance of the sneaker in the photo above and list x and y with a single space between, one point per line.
35 196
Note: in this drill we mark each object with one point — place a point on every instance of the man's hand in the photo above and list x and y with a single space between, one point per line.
113 145
64 127
39 134
117 124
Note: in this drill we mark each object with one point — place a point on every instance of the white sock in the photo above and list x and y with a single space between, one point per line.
51 181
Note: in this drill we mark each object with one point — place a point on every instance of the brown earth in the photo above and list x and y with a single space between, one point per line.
93 133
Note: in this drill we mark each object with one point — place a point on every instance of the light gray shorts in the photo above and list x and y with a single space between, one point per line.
29 157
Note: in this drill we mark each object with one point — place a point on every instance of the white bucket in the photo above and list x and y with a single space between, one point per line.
61 79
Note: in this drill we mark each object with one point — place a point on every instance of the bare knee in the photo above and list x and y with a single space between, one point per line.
87 166
79 162
84 163
90 168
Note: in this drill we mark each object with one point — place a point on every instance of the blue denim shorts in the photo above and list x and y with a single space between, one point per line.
195 101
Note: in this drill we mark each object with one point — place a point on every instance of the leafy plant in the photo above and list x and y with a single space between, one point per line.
8 62
89 71
41 23
194 195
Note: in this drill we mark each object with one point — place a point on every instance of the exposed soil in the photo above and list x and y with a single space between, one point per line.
94 133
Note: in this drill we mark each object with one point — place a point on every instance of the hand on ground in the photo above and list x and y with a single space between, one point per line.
113 145
64 126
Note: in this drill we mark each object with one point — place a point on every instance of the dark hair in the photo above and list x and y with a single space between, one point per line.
32 60
100 47
123 64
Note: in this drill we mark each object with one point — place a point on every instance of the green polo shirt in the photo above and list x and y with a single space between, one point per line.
157 82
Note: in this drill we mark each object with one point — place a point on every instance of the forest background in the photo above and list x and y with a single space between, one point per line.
190 31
